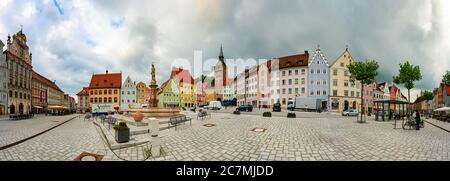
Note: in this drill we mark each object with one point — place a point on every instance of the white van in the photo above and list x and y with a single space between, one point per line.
214 105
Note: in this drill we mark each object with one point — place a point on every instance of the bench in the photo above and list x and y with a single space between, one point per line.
176 120
111 121
202 114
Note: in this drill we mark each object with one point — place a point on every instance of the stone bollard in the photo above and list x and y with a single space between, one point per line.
153 125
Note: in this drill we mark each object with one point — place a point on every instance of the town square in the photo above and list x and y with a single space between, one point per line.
103 83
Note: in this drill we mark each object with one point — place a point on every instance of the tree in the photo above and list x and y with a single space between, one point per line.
428 96
446 78
408 74
364 72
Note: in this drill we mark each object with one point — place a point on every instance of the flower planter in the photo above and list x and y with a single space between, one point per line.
237 112
123 135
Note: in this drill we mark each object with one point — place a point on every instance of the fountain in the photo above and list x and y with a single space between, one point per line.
153 110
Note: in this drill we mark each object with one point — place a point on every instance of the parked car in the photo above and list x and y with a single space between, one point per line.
276 107
350 112
214 105
248 108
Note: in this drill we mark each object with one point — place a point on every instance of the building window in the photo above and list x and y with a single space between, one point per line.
100 100
115 100
318 92
311 93
100 92
284 73
324 71
123 92
290 90
345 83
105 92
324 82
303 71
335 72
110 92
105 100
92 92
334 92
352 93
318 82
284 101
357 94
92 100
318 71
96 92
290 81
110 100
296 81
312 71
284 91
342 64
128 92
296 90
324 93
284 82
312 82
290 72
346 93
303 81
96 100
346 73
303 90
296 72
115 91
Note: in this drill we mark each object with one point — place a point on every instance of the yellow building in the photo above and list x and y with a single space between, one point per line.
141 93
343 93
185 83
105 89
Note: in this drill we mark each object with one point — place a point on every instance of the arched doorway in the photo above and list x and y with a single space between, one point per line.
234 102
346 104
20 108
354 105
12 109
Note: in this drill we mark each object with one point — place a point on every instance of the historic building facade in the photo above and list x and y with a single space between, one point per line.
140 94
105 89
344 94
4 75
220 76
169 95
83 100
293 71
19 61
318 78
186 85
128 95
39 92
241 88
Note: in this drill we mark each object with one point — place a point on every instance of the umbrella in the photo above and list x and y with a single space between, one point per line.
443 109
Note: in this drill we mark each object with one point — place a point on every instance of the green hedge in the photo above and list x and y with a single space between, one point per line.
267 114
291 115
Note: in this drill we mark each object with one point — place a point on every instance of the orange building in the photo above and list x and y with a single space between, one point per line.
105 89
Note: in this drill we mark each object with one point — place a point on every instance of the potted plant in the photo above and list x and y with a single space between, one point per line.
138 116
237 112
122 132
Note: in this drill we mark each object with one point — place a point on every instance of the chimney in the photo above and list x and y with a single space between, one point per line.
106 71
306 52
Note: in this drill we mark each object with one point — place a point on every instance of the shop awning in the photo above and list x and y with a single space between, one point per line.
443 109
37 107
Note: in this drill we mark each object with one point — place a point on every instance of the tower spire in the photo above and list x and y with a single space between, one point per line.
221 57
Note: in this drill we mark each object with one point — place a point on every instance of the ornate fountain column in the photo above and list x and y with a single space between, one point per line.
152 101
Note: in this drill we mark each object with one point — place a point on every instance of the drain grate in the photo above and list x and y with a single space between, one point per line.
260 130
85 156
209 125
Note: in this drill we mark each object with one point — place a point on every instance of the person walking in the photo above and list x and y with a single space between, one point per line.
417 120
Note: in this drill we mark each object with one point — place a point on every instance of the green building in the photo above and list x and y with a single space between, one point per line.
169 94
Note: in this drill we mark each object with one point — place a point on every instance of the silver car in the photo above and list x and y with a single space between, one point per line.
350 112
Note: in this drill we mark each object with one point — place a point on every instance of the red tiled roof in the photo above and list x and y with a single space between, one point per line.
447 89
45 81
229 81
294 60
84 92
181 75
113 80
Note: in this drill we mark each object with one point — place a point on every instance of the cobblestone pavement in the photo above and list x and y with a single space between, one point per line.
16 130
232 139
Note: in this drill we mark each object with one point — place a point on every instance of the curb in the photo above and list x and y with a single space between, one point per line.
448 131
33 136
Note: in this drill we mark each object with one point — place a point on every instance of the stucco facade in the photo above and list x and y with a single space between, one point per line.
3 81
344 94
169 95
128 95
318 78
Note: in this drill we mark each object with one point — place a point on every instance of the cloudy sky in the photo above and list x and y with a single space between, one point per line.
70 40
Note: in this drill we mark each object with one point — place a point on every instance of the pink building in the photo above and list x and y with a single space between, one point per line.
368 96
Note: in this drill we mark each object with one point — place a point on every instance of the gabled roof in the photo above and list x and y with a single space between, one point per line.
318 54
84 92
343 53
45 81
170 83
163 86
294 60
112 80
181 75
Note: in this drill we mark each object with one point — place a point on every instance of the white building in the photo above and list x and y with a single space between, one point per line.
128 95
3 81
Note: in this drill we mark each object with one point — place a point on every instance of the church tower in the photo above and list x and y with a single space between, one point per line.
220 76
